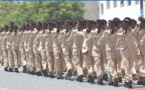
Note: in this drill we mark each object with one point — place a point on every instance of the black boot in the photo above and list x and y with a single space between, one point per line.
69 73
10 70
105 77
79 79
120 79
16 70
44 72
32 72
128 84
24 69
38 73
51 75
90 79
59 77
6 69
116 82
100 81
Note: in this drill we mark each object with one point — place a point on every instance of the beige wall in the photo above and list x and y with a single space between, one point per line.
91 10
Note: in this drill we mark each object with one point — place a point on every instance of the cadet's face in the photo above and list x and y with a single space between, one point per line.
6 28
133 24
67 25
28 27
112 26
142 24
50 27
15 29
99 25
125 26
58 25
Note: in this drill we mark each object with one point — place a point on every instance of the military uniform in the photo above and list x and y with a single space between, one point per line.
49 50
4 48
76 40
87 52
110 40
57 40
98 54
67 50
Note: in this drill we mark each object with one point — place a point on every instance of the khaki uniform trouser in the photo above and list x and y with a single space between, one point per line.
58 62
98 66
118 66
44 61
30 60
50 61
15 57
88 63
112 69
133 64
141 64
126 63
1 56
77 63
5 56
67 59
38 61
23 58
10 59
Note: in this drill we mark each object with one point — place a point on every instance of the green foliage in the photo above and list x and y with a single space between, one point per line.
32 11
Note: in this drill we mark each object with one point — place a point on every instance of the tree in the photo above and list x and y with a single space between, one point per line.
32 11
7 8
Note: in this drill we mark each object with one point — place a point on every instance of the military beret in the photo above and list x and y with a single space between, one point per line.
126 21
51 23
104 21
5 25
116 19
133 20
67 21
99 21
141 19
111 22
127 18
58 22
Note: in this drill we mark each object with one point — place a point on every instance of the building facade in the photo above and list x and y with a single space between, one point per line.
110 9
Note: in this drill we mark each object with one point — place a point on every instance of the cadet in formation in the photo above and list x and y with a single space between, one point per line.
81 48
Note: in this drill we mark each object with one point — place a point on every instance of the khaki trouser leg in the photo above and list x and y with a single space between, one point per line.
140 65
127 67
15 55
23 58
38 62
77 63
88 63
67 61
44 61
118 66
58 63
5 56
32 60
50 61
98 66
27 60
10 58
112 69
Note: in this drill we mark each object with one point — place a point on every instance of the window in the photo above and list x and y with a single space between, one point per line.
129 2
108 4
102 9
115 4
122 3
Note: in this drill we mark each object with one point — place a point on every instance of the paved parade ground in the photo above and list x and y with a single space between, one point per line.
22 81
